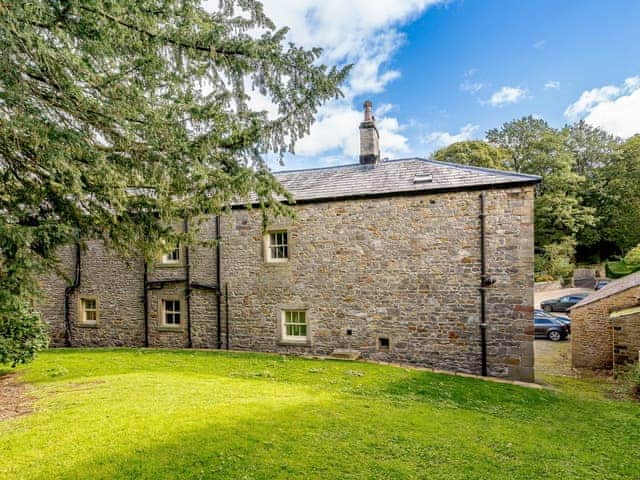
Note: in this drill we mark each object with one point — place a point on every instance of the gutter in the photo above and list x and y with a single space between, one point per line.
407 193
68 291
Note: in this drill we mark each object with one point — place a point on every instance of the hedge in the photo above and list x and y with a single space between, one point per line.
620 269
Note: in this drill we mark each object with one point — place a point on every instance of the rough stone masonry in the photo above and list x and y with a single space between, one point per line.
383 258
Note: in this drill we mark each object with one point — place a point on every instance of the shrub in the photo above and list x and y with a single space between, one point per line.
629 382
560 258
544 277
620 269
22 335
633 257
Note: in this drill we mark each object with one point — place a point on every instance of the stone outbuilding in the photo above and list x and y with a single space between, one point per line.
607 321
411 260
625 326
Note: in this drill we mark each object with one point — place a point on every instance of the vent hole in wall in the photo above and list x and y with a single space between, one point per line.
383 343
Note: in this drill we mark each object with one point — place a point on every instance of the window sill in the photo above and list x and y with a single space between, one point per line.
301 343
86 325
171 329
170 265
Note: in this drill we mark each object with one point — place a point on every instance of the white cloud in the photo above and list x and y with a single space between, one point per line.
442 139
590 99
552 85
468 85
615 109
539 44
337 128
506 95
364 33
473 87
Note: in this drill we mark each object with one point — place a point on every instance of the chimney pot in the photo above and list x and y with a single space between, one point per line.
369 137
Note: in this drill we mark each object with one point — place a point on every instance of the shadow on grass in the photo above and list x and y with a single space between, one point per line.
234 415
359 439
367 380
309 440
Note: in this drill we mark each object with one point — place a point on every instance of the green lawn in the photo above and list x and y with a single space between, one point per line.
191 414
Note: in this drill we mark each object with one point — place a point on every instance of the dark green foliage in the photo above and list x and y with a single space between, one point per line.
474 152
620 269
618 196
117 118
538 149
22 335
589 197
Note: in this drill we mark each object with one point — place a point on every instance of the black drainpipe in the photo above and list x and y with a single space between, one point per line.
226 312
218 288
188 286
67 294
483 285
146 305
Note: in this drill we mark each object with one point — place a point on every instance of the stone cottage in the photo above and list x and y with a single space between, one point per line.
410 260
605 324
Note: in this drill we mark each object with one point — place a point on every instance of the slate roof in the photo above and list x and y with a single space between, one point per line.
392 176
617 286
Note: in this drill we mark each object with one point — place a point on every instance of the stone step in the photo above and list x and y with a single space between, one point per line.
345 354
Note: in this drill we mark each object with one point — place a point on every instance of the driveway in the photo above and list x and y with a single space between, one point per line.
554 358
542 296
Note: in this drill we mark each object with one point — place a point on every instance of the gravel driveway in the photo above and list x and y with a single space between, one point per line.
554 358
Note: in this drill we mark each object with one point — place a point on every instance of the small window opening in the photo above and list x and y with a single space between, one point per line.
278 246
383 343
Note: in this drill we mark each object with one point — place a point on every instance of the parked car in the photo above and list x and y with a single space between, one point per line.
550 328
601 284
537 313
562 304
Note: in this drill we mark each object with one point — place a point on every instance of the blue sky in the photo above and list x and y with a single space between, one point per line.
442 71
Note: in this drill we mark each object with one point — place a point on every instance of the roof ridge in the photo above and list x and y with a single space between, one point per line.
481 169
619 285
346 165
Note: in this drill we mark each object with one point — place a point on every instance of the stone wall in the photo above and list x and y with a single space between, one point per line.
591 339
402 268
118 286
626 338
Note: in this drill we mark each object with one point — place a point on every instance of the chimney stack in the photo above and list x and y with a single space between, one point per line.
369 138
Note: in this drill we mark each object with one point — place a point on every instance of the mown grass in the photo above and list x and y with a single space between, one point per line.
189 415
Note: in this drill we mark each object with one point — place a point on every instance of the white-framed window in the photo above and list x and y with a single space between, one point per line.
88 311
172 257
294 325
171 312
277 246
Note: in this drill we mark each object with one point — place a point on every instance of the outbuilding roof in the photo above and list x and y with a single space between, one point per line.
408 175
617 286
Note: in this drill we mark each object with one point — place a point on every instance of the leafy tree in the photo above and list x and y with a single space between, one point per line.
591 146
592 149
117 118
538 149
633 256
474 152
619 194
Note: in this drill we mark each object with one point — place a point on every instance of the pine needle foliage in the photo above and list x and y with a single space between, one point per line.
119 118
